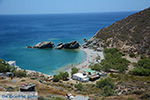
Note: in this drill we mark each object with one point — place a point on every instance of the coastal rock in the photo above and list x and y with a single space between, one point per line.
84 40
70 45
60 46
29 46
42 45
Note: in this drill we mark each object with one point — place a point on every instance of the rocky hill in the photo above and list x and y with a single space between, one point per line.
130 35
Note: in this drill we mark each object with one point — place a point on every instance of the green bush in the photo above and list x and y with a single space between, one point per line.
20 73
112 50
140 71
107 91
132 55
61 76
96 67
107 86
105 82
64 75
113 60
142 67
56 78
74 70
123 54
145 63
120 53
114 75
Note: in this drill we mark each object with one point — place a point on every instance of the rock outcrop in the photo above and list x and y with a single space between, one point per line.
60 46
42 45
29 46
70 45
130 35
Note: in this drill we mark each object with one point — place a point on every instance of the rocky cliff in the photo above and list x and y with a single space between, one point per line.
130 35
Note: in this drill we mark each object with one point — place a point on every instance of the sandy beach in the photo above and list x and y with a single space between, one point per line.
90 58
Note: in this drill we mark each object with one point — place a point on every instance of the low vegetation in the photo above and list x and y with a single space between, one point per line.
142 67
113 60
79 86
107 86
145 96
132 55
20 73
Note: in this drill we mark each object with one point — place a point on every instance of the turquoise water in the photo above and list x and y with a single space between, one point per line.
19 31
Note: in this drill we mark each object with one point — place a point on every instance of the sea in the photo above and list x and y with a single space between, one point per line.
19 31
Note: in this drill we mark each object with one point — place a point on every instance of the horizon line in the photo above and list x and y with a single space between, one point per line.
67 13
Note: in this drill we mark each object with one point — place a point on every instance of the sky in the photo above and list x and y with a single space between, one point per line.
70 6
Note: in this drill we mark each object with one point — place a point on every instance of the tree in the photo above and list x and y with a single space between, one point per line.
56 78
64 75
74 70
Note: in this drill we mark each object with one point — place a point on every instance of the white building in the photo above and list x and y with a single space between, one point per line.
12 63
80 77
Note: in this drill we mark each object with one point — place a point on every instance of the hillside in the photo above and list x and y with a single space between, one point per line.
130 35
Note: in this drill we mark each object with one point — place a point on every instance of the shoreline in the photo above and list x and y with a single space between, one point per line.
69 66
90 58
